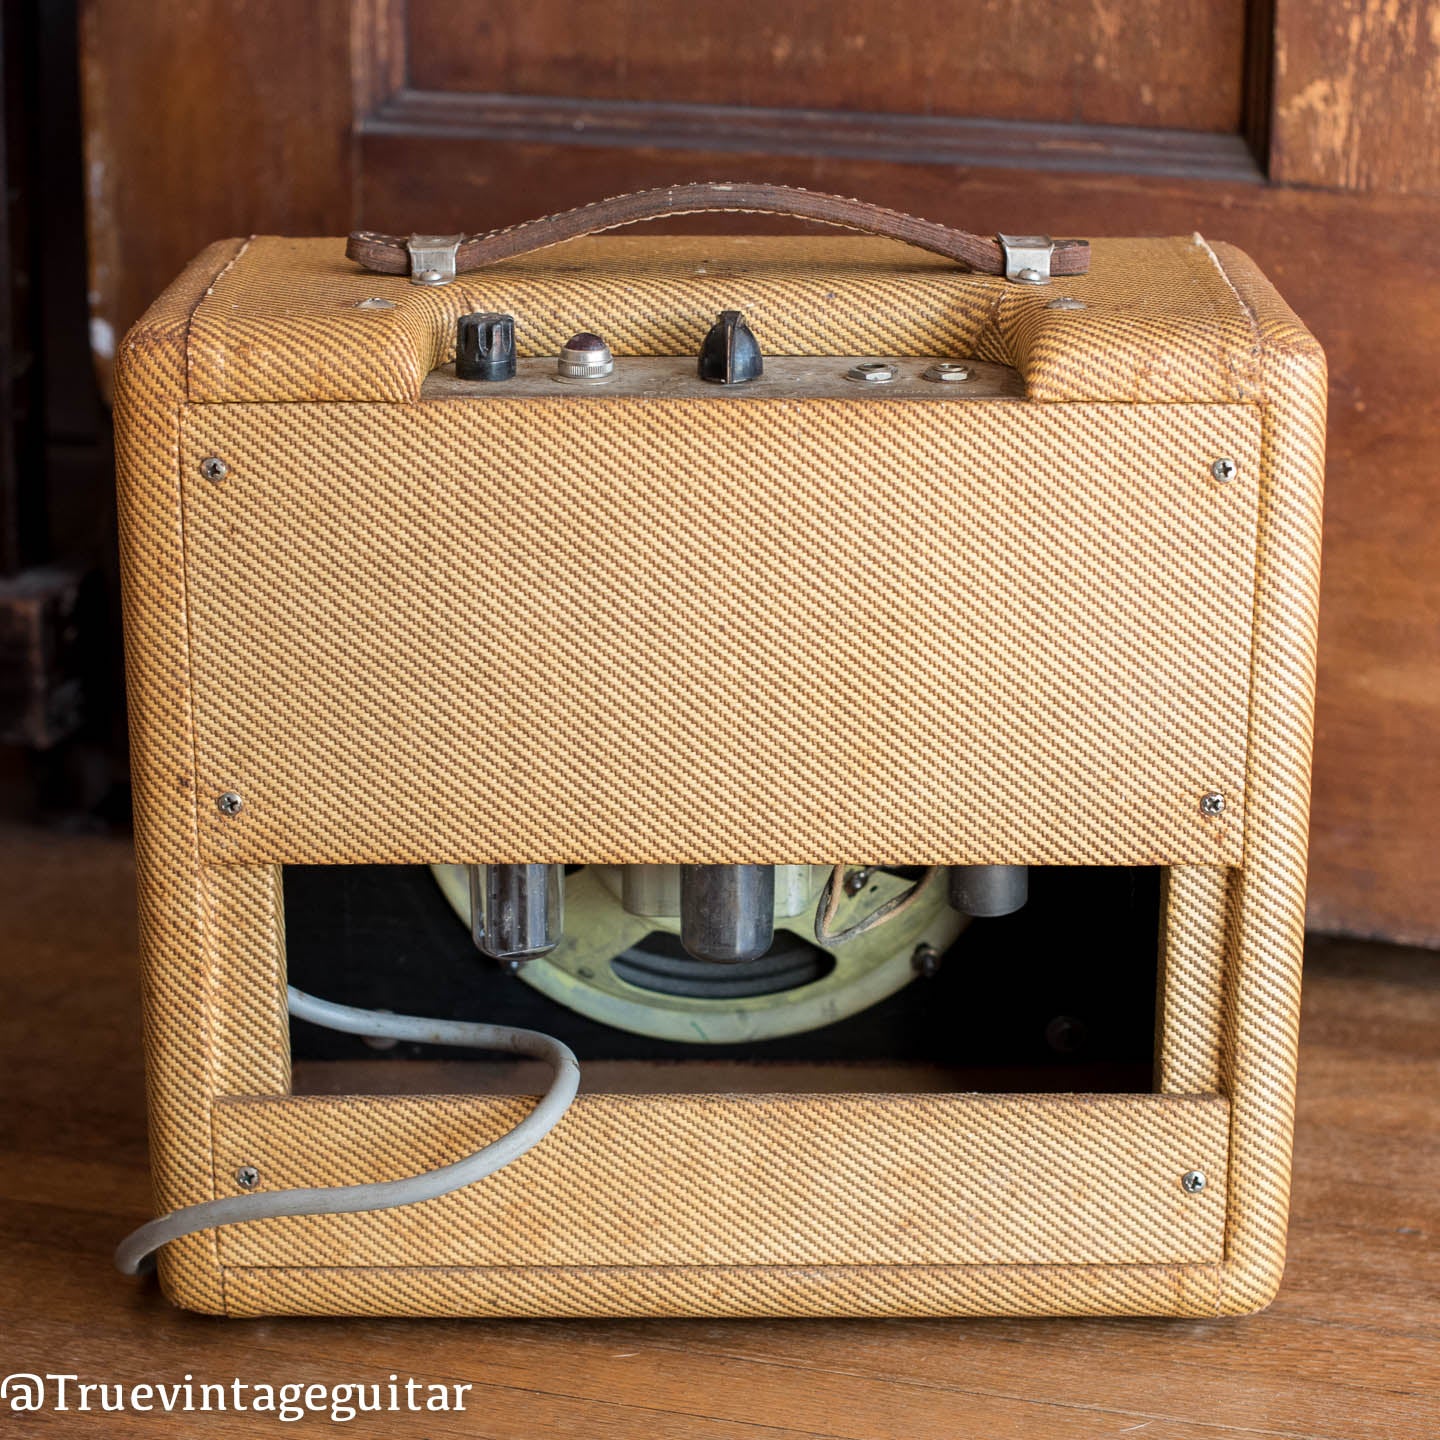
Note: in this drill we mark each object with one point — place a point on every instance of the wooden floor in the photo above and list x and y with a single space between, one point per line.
1348 1350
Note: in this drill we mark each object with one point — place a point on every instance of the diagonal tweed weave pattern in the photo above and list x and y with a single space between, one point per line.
630 1180
1160 321
637 606
1173 323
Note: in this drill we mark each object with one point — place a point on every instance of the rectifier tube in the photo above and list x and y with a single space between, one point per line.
516 911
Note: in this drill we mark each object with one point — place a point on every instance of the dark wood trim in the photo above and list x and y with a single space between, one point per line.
14 359
379 53
1258 107
907 139
379 57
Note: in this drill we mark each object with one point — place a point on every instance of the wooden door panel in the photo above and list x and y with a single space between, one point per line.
1357 102
226 119
229 116
1170 63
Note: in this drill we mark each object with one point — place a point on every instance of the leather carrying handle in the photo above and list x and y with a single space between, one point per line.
388 255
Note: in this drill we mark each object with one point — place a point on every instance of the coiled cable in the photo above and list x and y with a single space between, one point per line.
136 1251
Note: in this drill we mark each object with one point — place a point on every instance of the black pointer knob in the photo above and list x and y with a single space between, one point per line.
731 354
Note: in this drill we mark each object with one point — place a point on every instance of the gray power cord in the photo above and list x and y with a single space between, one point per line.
137 1249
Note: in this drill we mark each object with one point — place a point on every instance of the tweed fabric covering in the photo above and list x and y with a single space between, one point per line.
1160 322
767 1180
1229 339
245 940
1188 1014
180 1060
1266 913
723 1291
635 610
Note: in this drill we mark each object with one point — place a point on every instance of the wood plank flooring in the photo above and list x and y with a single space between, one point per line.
1350 1350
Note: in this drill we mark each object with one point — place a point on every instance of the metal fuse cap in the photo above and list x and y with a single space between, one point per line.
585 357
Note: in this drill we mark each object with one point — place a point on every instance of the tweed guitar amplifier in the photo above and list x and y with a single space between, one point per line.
855 690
